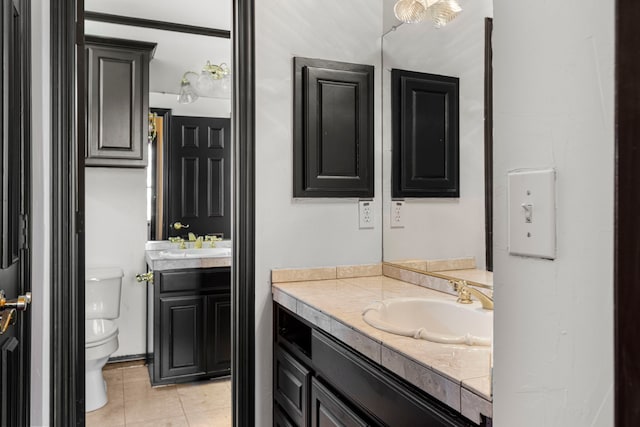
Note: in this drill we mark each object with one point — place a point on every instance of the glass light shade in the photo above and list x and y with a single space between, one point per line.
187 93
410 11
444 11
206 81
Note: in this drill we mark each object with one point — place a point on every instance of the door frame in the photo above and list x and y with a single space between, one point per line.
627 205
23 271
68 89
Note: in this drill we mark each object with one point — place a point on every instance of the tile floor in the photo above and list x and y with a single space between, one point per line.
134 403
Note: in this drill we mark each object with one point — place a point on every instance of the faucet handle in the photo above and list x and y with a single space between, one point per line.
461 287
213 239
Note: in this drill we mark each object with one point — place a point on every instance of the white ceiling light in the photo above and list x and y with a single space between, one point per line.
441 12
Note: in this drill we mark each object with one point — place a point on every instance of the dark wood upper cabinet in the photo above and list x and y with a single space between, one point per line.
333 129
117 101
425 126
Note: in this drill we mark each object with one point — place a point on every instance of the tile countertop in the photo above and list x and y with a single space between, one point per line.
457 375
158 262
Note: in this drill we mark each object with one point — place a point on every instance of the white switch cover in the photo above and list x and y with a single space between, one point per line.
532 213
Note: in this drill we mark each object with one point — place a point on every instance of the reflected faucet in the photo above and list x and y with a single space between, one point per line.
465 292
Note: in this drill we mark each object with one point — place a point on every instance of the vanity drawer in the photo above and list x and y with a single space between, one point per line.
381 394
194 280
291 382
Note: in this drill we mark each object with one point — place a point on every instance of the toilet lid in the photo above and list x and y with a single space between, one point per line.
99 331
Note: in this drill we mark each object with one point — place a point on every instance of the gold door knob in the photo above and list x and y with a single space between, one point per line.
178 225
21 303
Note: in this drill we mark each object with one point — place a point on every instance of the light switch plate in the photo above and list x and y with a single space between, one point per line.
532 213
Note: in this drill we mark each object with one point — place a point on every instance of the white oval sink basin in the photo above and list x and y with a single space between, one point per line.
441 321
196 253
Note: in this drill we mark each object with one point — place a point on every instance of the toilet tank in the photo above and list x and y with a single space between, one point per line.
102 292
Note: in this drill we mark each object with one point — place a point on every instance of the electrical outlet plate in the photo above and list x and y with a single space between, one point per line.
397 214
365 213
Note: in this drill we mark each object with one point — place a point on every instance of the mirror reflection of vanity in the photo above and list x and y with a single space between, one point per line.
444 237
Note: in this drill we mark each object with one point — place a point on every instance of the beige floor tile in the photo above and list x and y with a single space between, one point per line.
152 405
112 414
220 417
168 422
136 373
134 403
205 395
113 377
121 365
143 390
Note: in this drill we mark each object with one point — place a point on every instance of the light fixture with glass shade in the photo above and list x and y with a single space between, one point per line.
441 12
213 81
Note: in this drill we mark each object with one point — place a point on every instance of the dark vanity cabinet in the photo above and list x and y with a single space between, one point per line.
320 382
191 325
117 101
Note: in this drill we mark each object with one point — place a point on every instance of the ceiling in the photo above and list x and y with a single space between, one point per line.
204 13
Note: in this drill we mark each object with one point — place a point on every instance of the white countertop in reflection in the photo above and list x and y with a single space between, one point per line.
158 259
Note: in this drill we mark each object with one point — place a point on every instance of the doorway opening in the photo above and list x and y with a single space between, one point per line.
69 206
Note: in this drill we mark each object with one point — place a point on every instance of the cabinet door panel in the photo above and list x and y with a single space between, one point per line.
182 337
219 334
280 419
328 411
117 101
291 386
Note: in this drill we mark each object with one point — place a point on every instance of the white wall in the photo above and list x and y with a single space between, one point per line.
116 231
554 108
41 213
295 233
441 227
203 107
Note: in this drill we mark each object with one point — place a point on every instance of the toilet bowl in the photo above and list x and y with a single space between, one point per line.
102 306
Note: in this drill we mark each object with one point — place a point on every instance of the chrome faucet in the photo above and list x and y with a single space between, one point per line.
465 292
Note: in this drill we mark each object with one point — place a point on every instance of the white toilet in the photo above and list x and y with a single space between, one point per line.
102 306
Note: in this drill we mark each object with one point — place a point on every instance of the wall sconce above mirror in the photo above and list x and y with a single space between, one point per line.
212 81
441 12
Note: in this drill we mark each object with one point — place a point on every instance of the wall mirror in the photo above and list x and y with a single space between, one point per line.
418 230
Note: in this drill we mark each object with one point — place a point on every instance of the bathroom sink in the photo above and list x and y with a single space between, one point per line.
196 253
441 321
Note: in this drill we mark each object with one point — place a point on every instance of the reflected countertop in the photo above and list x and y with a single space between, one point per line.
158 259
457 375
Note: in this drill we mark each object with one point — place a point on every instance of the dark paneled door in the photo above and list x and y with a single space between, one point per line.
199 170
14 209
